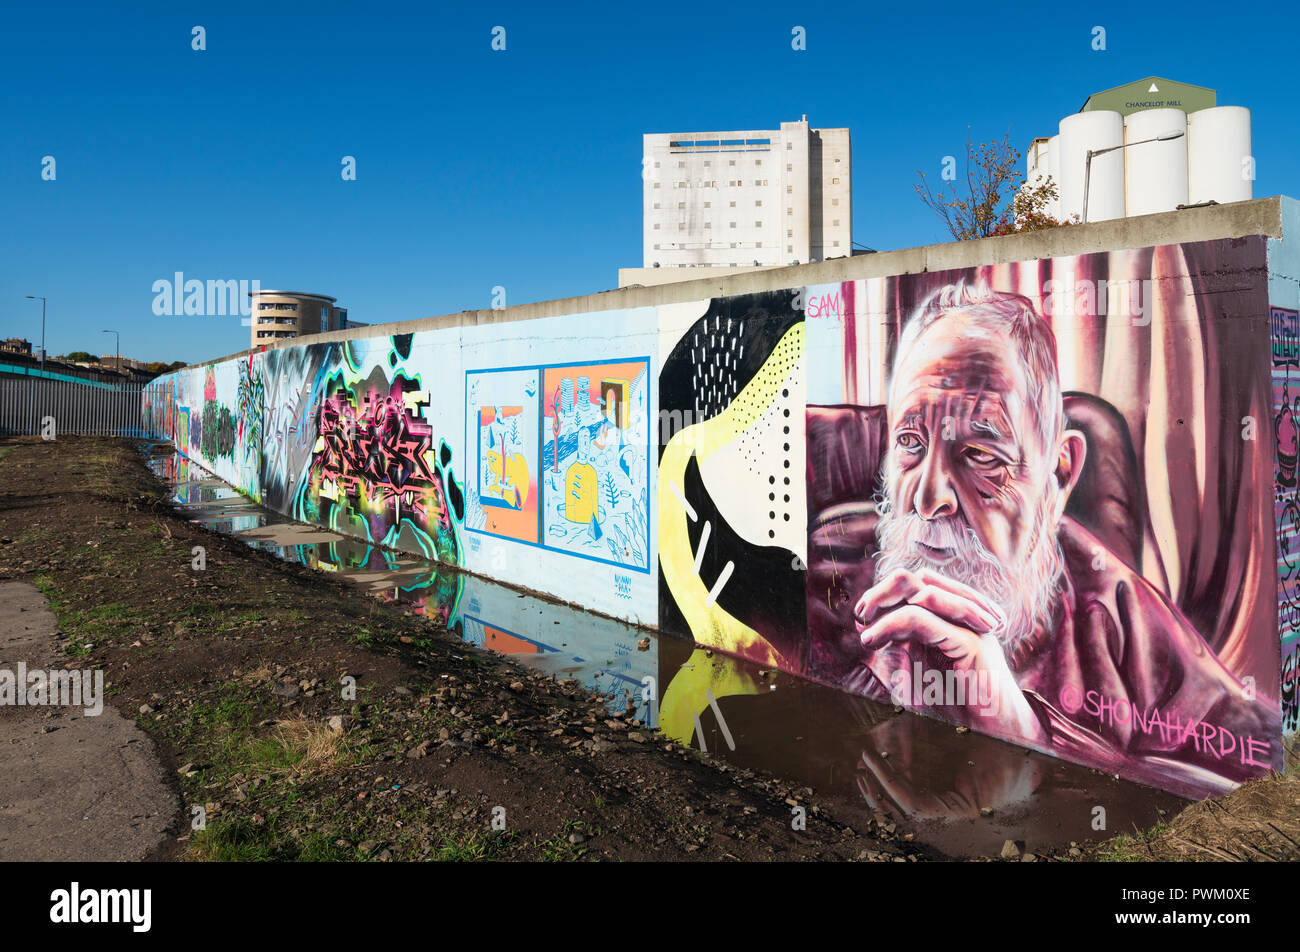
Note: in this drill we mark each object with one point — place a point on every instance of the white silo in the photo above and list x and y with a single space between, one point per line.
1081 132
1032 157
1054 169
1220 167
1036 164
1155 173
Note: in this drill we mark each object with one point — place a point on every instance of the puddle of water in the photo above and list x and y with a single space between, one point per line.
861 758
604 655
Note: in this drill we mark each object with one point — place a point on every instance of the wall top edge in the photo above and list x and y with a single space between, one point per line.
1261 216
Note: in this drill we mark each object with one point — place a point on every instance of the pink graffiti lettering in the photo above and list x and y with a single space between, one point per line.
824 305
1174 731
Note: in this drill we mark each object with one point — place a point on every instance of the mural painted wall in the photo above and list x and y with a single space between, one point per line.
731 476
1038 505
214 414
521 452
1286 391
1039 499
1284 323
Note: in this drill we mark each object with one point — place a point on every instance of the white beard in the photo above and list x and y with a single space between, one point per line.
1025 593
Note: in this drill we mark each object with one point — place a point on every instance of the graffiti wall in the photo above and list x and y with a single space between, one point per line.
1037 505
1284 324
1286 427
1044 500
731 475
525 458
214 415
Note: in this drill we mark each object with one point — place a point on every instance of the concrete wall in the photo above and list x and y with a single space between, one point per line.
772 465
1284 316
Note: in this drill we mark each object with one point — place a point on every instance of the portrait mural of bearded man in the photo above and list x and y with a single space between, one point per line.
990 550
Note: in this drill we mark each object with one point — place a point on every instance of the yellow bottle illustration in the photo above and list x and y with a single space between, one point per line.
581 486
581 495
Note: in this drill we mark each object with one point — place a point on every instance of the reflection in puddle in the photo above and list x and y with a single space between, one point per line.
600 653
961 793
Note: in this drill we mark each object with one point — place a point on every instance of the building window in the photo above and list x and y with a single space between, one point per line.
835 181
789 168
835 201
835 222
758 244
758 204
656 247
656 204
789 247
733 224
708 224
732 162
789 211
733 205
681 165
656 164
707 164
681 226
708 204
789 233
681 204
835 244
758 224
656 226
656 184
789 146
758 161
789 189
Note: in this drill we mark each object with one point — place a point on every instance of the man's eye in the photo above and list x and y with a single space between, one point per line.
980 458
909 441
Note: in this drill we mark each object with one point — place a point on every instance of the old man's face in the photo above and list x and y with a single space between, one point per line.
964 440
973 492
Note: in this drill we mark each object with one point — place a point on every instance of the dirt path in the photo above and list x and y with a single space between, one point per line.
236 673
72 786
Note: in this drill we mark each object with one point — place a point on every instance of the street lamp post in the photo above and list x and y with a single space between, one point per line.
37 297
118 366
1087 163
31 389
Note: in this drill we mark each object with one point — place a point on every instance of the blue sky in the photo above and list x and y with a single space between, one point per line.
520 168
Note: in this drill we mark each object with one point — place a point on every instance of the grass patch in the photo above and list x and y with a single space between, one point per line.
299 747
475 847
233 841
1129 849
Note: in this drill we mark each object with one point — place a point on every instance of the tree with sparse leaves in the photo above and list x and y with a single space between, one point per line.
994 199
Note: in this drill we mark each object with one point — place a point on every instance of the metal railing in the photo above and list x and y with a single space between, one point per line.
36 406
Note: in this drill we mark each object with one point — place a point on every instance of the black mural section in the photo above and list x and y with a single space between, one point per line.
766 589
755 322
756 595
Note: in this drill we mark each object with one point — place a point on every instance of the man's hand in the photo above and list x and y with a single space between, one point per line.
909 616
926 608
